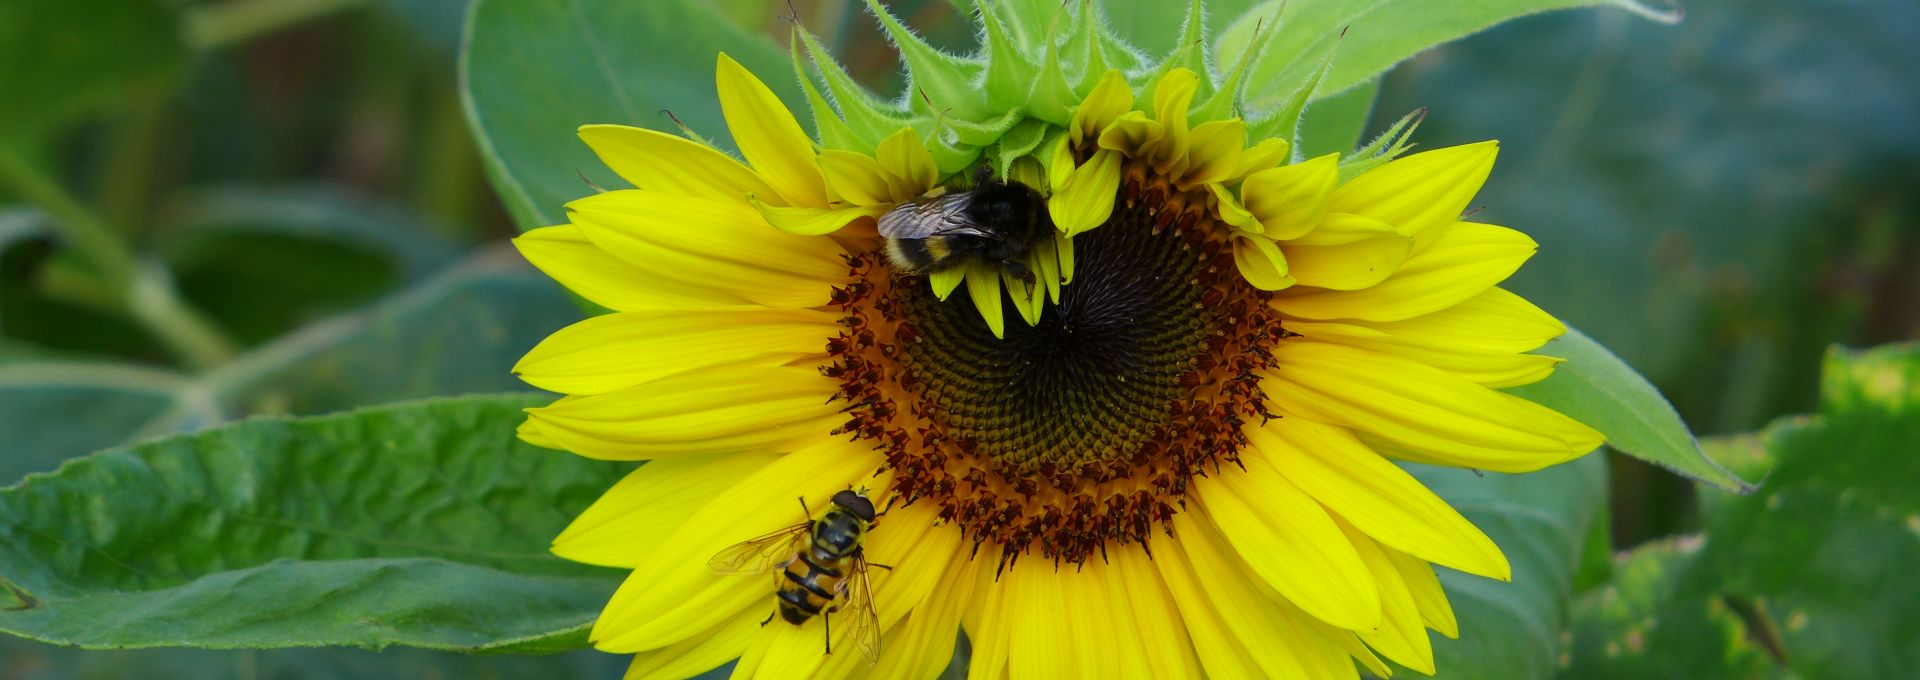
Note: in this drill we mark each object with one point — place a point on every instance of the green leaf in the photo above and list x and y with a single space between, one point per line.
456 332
1827 546
1373 36
1809 576
61 59
1659 618
1597 388
534 72
28 660
1542 521
423 524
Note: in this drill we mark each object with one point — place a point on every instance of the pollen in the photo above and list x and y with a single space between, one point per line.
1082 430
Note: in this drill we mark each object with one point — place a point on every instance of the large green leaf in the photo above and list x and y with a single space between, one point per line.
1809 576
1597 388
1370 37
61 58
423 524
533 72
1542 521
1829 543
457 332
1659 618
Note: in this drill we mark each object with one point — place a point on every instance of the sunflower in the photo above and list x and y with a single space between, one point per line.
1170 455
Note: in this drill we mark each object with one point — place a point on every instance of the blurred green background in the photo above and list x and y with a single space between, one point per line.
294 181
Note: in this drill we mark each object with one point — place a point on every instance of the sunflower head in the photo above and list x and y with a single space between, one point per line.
1218 346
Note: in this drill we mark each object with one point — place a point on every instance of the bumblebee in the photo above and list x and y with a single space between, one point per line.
822 568
995 222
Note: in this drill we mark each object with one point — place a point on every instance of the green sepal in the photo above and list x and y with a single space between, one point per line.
1286 120
950 84
1386 147
834 133
1010 70
979 134
866 116
1225 102
1016 143
1191 53
1052 99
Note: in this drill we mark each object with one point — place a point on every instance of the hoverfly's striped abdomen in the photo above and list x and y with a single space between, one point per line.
809 584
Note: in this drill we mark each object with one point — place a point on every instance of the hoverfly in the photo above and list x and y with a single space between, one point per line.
820 563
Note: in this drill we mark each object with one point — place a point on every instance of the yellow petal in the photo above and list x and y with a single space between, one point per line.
1261 262
1435 612
770 138
622 528
1150 619
722 244
983 285
1423 408
1375 495
529 432
695 655
1465 261
1108 99
944 281
1172 96
855 178
1215 642
1132 133
1348 266
1495 321
617 351
1059 165
1043 633
1421 193
1400 637
1335 229
675 595
1263 626
1230 211
1215 152
923 646
1290 199
721 410
1290 543
1495 369
905 157
662 162
567 255
817 221
1085 200
1265 154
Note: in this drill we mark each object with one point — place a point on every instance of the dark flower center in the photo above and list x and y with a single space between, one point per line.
1082 429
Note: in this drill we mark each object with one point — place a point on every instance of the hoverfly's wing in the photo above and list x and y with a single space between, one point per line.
762 554
865 633
945 214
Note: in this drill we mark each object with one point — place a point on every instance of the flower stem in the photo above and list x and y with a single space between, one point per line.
222 24
145 292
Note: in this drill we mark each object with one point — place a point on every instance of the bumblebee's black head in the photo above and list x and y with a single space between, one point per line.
855 503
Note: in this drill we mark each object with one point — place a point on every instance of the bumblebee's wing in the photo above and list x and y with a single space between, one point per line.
945 214
762 554
859 607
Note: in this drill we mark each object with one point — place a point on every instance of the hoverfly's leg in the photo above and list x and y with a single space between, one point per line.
765 621
882 566
826 621
805 509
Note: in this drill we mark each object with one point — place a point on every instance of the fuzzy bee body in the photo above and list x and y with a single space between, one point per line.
820 568
997 223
